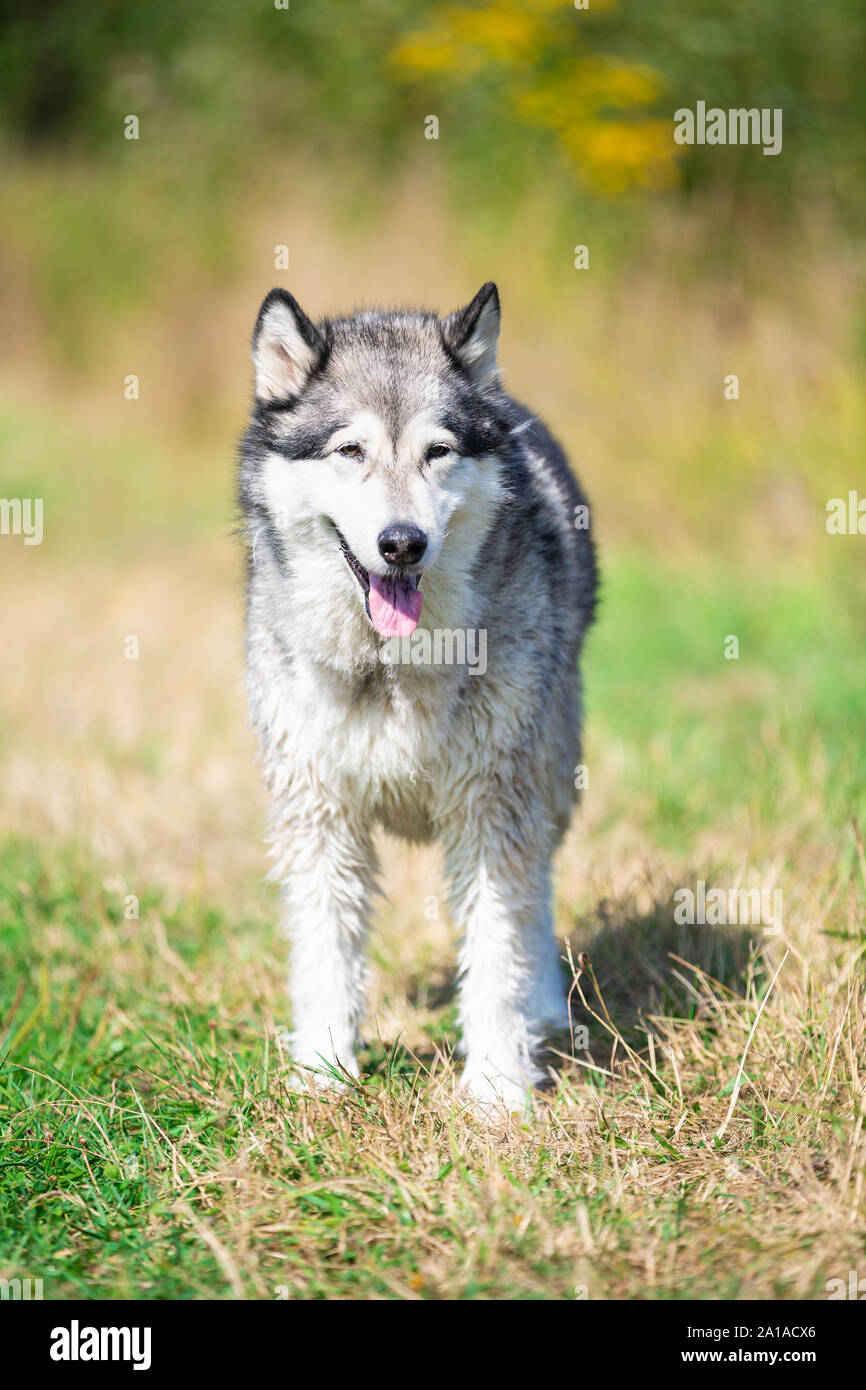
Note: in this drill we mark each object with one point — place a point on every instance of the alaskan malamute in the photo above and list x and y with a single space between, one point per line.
420 577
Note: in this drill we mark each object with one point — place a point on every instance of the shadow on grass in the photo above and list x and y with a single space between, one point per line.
643 964
637 955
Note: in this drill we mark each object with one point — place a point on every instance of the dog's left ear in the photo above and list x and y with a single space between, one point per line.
472 333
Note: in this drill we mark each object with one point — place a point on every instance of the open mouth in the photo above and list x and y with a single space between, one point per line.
393 601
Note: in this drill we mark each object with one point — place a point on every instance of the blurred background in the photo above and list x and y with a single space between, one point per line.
304 128
290 146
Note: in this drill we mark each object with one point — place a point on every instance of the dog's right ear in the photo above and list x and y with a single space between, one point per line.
286 347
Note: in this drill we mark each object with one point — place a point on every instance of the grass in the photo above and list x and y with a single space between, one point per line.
150 1146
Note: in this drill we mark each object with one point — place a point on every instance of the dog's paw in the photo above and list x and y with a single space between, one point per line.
495 1096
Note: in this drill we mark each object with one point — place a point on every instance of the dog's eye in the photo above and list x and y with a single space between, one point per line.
351 451
438 451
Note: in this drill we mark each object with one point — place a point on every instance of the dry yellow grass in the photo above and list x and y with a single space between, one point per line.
153 1147
617 1187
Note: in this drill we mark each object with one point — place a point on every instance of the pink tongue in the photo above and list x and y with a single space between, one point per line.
395 606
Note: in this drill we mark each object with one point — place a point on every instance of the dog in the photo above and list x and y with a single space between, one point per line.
392 496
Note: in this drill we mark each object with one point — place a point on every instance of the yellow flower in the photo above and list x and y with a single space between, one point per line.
531 48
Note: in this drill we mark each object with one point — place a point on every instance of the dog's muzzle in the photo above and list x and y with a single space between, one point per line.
393 601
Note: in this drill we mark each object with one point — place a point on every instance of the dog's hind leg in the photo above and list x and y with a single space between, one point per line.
549 996
327 868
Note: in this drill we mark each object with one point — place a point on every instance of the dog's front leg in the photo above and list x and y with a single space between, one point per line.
327 869
499 868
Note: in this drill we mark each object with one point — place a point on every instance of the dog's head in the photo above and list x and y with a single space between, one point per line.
376 445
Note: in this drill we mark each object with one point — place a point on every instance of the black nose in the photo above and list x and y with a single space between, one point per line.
401 544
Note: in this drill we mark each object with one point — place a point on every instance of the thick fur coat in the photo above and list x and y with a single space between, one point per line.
398 504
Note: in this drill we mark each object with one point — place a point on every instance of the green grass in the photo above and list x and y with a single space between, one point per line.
777 727
150 1146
